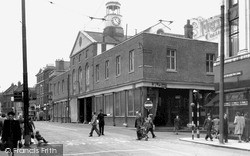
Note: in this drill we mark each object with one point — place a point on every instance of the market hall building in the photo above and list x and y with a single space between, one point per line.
117 74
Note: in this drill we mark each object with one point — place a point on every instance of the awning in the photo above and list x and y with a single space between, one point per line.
213 102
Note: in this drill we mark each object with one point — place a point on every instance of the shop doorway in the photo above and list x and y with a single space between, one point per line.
172 102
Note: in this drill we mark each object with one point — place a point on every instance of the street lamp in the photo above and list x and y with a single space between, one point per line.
197 98
221 93
192 124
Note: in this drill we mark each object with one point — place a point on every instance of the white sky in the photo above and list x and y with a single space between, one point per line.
52 28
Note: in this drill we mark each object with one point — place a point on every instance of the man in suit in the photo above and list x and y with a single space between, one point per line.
225 128
11 133
100 117
208 125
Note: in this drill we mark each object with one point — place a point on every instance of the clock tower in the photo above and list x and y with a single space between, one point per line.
113 19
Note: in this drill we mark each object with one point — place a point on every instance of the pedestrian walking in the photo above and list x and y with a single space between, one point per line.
11 133
216 125
151 125
246 128
31 129
208 125
94 125
100 118
225 128
176 124
239 123
139 121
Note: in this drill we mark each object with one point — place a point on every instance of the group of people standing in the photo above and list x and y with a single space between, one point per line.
12 131
143 126
242 126
97 119
241 123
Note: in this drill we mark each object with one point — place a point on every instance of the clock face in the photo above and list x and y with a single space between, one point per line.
116 21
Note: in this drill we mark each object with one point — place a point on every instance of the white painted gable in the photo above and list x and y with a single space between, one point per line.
82 41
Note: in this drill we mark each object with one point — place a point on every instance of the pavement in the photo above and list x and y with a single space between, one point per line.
232 144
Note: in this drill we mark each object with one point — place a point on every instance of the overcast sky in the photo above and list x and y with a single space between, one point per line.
52 28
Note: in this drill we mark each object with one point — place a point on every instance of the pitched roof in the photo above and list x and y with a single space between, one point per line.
99 37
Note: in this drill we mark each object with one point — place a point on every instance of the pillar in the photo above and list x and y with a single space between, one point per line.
189 107
85 110
113 108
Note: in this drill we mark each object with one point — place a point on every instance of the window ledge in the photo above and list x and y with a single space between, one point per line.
171 71
210 74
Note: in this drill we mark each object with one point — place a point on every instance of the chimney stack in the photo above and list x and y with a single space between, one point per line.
188 30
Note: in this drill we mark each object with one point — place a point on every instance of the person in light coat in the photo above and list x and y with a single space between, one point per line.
239 122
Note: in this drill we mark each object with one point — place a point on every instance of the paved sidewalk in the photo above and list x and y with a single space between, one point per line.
232 144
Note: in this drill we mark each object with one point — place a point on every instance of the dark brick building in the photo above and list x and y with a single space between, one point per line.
118 73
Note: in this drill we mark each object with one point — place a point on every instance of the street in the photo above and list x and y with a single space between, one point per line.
122 141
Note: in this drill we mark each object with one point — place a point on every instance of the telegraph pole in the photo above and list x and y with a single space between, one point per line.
25 80
221 93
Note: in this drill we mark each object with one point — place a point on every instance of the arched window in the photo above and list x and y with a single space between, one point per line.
80 78
74 81
87 77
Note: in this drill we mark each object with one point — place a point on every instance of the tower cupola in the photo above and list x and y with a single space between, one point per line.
113 20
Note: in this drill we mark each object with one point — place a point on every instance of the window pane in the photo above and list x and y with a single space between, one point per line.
172 63
168 63
130 103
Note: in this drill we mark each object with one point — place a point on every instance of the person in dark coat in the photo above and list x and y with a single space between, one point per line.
208 125
139 121
11 133
151 125
100 117
176 124
225 128
246 128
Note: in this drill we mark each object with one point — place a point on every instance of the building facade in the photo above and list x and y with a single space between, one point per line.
117 74
237 58
42 91
7 102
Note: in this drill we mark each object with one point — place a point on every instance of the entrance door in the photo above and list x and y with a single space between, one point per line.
88 109
81 110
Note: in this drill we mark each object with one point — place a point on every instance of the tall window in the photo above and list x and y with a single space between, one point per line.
80 78
63 86
58 88
131 60
97 72
233 28
209 63
107 69
118 65
74 81
108 108
131 108
87 77
171 59
79 59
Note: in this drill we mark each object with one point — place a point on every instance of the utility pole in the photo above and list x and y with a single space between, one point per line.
25 80
221 93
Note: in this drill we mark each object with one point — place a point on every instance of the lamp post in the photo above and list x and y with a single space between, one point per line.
25 80
221 93
197 98
192 124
